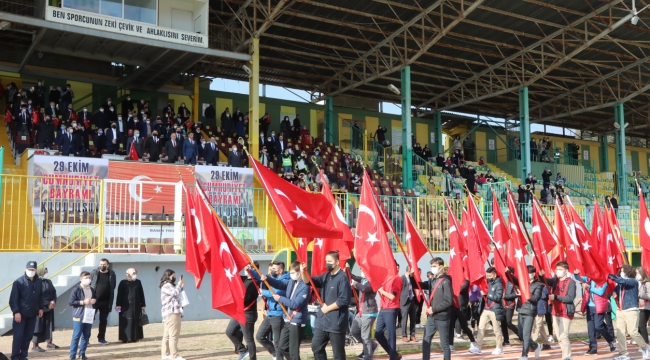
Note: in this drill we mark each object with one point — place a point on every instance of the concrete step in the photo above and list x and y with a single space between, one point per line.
62 283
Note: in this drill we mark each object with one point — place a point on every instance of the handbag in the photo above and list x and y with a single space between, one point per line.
144 318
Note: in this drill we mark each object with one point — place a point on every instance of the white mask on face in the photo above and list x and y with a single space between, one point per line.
85 282
30 273
623 275
294 276
638 277
435 270
531 276
45 276
134 277
559 273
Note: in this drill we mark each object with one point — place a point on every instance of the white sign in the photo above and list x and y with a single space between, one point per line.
433 137
491 144
585 155
122 26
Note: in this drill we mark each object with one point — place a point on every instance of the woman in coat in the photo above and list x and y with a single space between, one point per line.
130 304
45 325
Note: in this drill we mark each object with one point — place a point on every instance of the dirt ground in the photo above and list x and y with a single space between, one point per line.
207 340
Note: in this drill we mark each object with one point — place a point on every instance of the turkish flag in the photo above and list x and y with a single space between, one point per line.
566 237
501 237
133 155
474 258
543 241
644 232
193 237
372 250
302 249
456 252
227 286
302 213
557 254
516 228
478 227
337 219
617 228
609 251
592 263
321 248
415 245
517 254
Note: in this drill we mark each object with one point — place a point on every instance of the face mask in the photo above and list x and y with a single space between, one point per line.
183 105
317 153
85 282
112 110
623 275
559 273
39 84
274 273
128 98
109 103
119 118
329 266
70 131
102 110
101 133
85 110
435 270
638 277
136 121
531 276
30 273
272 134
294 276
137 135
45 276
74 124
148 122
134 277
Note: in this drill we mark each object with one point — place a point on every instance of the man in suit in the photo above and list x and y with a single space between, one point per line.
408 305
51 110
40 94
80 139
190 150
235 158
270 147
280 145
211 155
84 115
45 133
66 96
137 143
100 119
66 142
152 147
171 149
55 95
113 139
127 104
23 121
68 113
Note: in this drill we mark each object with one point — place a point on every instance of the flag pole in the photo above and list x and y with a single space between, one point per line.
615 233
236 242
406 257
289 237
413 222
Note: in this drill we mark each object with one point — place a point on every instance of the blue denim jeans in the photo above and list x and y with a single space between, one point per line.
80 330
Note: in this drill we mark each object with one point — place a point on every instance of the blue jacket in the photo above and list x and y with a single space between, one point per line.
274 308
631 287
76 297
542 304
296 304
190 149
26 296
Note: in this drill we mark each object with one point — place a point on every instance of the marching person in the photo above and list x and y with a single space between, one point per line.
562 295
510 303
441 298
528 314
595 302
130 304
389 295
45 324
493 312
26 303
82 299
295 299
538 326
332 319
644 301
235 331
363 321
408 304
273 322
459 315
172 312
626 293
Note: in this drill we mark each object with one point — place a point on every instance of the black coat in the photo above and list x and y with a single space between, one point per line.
210 112
45 132
153 148
172 152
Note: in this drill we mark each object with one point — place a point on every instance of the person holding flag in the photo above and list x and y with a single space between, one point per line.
273 322
236 330
460 313
528 314
332 318
563 292
295 296
441 299
408 305
595 302
365 318
389 295
493 312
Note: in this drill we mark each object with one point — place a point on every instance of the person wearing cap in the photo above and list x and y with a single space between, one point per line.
26 303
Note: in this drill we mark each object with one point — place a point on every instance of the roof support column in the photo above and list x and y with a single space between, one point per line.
438 147
407 142
195 101
254 99
604 153
524 132
621 161
329 119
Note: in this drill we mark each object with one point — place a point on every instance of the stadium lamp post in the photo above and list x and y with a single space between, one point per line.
407 143
621 161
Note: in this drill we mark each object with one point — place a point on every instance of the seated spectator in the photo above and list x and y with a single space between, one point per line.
447 162
355 184
301 163
481 161
417 149
482 179
332 179
490 177
560 178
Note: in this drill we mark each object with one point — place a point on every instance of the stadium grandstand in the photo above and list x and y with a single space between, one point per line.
110 114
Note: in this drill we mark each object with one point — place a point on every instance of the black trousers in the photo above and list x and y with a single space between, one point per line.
507 324
320 340
526 323
468 315
430 328
596 325
458 317
418 312
644 315
270 324
408 311
290 338
549 321
237 332
103 311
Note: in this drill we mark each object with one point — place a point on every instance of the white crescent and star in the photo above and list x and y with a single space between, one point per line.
319 243
133 192
646 226
586 246
495 224
229 274
197 225
519 254
372 238
366 210
452 253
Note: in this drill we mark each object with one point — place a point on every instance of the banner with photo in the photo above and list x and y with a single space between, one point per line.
66 183
228 189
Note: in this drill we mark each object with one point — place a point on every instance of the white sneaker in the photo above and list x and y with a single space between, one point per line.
497 351
166 357
538 351
451 348
550 339
622 357
475 350
179 358
646 353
